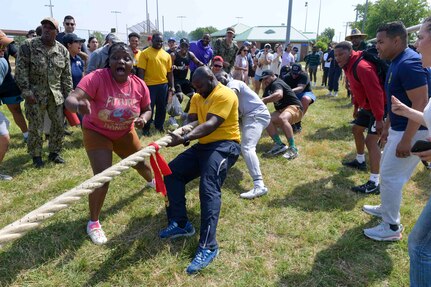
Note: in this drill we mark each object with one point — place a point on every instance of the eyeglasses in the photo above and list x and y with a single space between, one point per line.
218 66
245 50
70 24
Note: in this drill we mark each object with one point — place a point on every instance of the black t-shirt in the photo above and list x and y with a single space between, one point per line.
289 97
182 63
9 87
301 79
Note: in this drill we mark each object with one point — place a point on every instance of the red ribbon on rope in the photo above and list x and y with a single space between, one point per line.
160 167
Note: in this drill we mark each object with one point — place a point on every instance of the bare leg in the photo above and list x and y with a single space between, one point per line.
4 145
18 117
358 135
374 153
100 160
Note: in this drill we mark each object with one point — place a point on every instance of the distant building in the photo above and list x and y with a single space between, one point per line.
272 35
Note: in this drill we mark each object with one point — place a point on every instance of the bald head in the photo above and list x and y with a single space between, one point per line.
204 81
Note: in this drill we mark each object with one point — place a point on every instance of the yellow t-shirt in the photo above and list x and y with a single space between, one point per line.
222 102
156 63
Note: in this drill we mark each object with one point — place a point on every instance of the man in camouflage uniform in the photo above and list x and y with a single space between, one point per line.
44 77
227 49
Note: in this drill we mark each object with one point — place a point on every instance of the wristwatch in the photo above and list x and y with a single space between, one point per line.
186 140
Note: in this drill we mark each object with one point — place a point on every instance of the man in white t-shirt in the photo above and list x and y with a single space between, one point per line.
263 61
326 66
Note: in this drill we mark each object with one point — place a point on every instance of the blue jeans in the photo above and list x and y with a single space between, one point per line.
210 162
420 250
159 99
333 78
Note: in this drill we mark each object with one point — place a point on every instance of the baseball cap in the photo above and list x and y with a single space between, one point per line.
4 40
150 38
246 43
172 39
266 74
71 37
230 30
296 69
295 49
184 41
50 20
113 38
218 58
267 45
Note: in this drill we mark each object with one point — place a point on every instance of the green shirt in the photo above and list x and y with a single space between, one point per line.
227 52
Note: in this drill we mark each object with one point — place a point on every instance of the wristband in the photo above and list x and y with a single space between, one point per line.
186 140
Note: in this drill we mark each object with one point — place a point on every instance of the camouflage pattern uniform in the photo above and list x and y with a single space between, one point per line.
227 52
44 72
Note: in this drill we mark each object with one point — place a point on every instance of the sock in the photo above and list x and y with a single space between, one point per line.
360 158
93 224
291 142
375 178
277 140
393 227
258 183
25 135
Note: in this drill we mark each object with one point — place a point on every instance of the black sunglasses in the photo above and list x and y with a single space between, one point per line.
70 24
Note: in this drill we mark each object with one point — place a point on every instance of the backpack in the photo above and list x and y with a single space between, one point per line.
371 55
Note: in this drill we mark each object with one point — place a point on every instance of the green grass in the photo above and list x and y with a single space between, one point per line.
306 232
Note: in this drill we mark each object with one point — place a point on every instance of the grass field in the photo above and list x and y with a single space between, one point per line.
306 232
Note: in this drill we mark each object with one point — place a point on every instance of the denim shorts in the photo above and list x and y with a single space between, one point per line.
11 100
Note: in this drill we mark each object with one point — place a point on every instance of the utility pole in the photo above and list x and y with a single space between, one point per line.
365 16
148 17
306 16
50 8
238 17
289 22
116 20
157 5
182 17
318 21
347 25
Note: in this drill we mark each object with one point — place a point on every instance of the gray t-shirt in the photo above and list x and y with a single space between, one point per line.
249 102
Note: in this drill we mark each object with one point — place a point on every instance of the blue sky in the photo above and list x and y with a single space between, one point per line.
96 14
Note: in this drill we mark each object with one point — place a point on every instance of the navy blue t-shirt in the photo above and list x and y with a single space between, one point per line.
77 68
405 73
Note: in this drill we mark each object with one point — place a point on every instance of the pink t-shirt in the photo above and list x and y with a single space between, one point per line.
114 106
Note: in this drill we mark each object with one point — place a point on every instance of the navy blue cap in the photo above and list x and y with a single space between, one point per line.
71 37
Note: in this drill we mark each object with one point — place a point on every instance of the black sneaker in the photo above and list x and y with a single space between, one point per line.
56 158
356 164
38 162
369 188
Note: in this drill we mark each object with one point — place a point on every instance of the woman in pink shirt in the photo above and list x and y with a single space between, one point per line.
112 101
240 71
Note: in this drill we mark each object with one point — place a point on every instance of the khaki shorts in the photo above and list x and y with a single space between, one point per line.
294 111
123 147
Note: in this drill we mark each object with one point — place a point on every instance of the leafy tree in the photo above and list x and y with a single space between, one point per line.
328 33
181 34
410 12
322 45
168 34
100 38
199 32
323 39
19 40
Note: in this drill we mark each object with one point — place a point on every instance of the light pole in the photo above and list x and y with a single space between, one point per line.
116 19
50 8
158 22
181 18
289 22
365 16
318 21
238 17
306 15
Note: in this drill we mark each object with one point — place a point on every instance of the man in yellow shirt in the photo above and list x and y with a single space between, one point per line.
215 107
155 68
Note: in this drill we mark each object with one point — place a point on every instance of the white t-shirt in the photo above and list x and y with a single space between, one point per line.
427 117
287 59
325 57
260 57
249 102
275 65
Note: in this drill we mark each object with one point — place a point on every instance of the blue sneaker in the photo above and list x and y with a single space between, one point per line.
202 259
174 231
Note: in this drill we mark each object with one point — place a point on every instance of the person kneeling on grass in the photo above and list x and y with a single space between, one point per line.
113 100
215 107
288 111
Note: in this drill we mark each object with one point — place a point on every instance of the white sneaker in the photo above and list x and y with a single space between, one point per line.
255 192
383 232
335 94
375 210
97 235
5 177
173 122
151 184
329 94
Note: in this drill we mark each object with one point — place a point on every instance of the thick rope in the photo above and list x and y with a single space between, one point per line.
33 219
